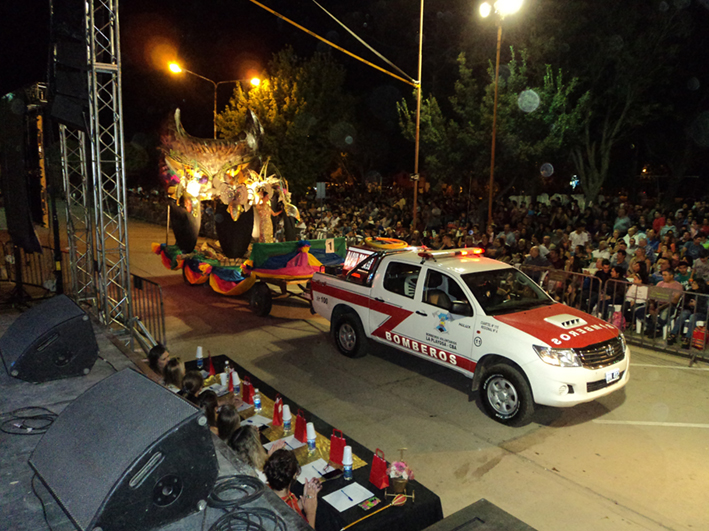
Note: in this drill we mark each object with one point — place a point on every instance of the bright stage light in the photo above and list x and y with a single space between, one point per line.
193 188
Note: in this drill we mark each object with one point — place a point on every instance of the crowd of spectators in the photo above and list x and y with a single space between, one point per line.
643 244
639 240
560 234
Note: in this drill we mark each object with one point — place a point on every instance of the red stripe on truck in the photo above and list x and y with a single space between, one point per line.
396 316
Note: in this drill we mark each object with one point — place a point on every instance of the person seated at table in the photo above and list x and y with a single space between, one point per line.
157 360
192 385
208 402
174 373
228 421
246 442
281 469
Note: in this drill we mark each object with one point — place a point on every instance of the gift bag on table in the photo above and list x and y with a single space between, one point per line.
300 431
277 411
247 390
378 475
210 370
337 447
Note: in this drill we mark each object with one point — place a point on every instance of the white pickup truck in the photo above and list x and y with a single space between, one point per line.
477 316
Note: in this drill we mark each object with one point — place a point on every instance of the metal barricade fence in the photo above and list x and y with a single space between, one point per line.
148 307
37 269
578 290
662 318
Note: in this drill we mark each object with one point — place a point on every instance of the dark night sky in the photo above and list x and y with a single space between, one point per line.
230 39
219 39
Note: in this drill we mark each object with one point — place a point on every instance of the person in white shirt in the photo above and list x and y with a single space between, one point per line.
544 247
602 253
579 236
633 233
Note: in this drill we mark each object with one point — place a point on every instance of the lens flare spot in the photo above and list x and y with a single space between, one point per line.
547 170
528 101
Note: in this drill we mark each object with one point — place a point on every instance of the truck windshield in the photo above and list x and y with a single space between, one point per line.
505 291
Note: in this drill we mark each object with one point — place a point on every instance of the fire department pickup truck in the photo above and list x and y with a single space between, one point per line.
477 316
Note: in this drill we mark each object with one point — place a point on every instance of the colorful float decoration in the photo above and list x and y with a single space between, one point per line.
230 172
247 195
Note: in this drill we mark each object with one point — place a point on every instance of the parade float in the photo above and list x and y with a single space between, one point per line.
246 197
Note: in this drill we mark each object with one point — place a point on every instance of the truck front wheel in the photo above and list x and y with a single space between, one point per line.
348 333
506 395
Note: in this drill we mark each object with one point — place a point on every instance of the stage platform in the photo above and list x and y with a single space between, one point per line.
20 507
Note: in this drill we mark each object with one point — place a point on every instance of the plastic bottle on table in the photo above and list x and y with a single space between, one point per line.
310 433
257 401
200 358
286 418
347 463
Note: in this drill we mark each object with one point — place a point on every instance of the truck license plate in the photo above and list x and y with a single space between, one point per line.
612 376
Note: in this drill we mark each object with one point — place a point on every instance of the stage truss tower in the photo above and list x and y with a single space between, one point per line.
95 186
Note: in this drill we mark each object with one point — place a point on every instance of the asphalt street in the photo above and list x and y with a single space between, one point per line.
632 460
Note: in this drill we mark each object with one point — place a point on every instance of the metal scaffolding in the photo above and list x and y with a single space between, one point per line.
107 160
95 185
79 214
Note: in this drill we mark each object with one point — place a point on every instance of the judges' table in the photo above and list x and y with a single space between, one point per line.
422 507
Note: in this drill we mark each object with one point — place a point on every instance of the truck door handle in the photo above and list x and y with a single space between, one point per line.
419 312
378 299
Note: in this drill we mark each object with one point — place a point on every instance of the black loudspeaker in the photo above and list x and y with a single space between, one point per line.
128 454
14 177
52 340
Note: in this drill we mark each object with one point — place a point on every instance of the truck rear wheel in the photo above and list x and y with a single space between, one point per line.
348 333
506 395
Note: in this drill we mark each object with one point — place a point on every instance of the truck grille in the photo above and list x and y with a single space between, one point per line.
602 354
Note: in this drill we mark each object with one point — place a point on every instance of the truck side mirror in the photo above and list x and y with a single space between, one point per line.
461 308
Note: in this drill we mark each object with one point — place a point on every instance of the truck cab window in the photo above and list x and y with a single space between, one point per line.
401 278
442 291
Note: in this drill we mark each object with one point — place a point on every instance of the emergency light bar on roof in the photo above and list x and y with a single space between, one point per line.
471 251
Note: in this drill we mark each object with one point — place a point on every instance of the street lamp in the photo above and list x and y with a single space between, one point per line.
418 123
177 69
501 8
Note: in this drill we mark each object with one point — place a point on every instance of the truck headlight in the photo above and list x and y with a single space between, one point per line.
561 357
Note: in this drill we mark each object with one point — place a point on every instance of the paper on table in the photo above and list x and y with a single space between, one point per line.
218 388
291 443
340 501
244 406
316 469
257 420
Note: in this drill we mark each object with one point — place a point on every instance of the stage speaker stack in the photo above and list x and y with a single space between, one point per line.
128 454
50 341
69 85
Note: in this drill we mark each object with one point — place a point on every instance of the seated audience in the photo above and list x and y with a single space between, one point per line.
281 469
228 421
694 308
158 358
192 385
174 373
208 402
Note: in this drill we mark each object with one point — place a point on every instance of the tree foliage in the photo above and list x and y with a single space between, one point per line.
305 113
626 63
538 120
